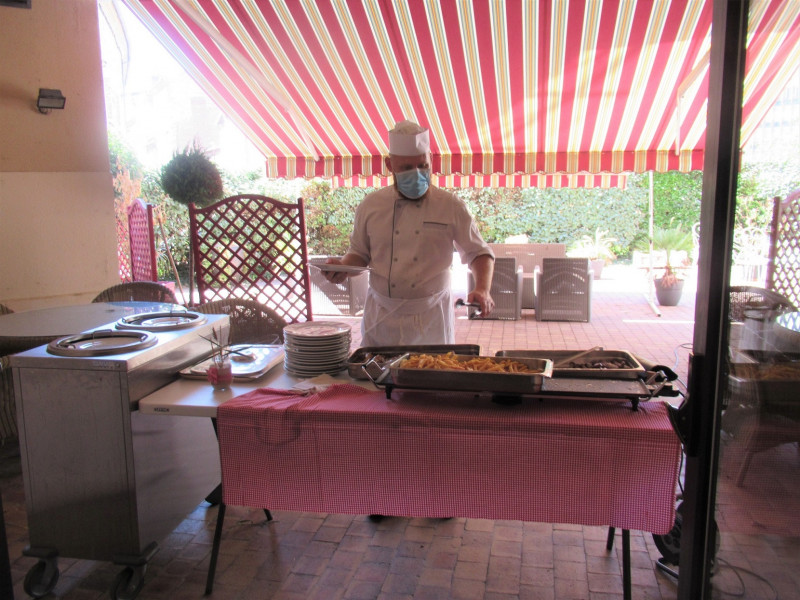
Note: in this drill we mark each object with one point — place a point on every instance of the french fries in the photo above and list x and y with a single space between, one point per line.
449 362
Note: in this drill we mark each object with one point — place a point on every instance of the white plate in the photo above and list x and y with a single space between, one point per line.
317 330
337 268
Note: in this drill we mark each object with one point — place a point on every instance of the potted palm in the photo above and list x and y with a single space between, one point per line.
596 248
669 286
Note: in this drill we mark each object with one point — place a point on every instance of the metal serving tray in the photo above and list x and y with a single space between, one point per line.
362 355
469 381
635 370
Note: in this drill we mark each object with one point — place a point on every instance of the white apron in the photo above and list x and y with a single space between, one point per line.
401 322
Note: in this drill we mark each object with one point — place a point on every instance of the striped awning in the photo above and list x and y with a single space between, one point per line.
515 92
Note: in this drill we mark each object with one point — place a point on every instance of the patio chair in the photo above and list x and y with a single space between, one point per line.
760 414
255 247
346 298
506 290
141 291
142 241
564 290
251 321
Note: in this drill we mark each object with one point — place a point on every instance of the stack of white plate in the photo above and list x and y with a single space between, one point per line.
316 347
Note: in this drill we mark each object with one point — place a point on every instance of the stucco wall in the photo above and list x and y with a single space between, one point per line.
57 232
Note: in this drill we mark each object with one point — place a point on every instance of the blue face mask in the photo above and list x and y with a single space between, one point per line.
413 183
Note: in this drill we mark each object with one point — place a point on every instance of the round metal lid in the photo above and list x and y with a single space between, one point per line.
161 321
102 343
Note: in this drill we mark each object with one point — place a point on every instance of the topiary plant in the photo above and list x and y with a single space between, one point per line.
191 177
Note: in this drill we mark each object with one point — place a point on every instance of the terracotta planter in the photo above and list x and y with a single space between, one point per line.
669 295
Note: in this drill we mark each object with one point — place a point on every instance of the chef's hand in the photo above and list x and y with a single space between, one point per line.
334 276
484 299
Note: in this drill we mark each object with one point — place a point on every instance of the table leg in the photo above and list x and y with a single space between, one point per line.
626 564
212 564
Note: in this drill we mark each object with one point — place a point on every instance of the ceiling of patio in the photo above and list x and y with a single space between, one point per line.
516 92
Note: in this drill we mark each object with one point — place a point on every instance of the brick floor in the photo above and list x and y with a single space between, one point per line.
317 556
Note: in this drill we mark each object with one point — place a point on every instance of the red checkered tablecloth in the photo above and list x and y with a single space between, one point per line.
353 451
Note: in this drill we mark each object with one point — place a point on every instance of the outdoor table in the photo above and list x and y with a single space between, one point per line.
349 449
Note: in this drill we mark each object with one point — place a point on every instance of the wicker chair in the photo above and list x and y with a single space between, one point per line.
251 321
141 291
506 290
564 290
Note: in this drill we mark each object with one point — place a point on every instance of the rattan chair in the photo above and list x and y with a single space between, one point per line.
506 290
564 290
251 321
137 291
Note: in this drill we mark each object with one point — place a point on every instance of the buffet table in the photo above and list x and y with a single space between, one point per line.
349 449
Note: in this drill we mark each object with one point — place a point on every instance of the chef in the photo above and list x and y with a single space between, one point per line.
406 234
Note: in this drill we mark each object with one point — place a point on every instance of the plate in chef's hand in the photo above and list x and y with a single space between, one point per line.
322 266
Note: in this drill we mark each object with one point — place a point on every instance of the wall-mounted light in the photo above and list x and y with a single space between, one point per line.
49 99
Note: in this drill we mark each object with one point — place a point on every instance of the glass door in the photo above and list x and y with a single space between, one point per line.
740 536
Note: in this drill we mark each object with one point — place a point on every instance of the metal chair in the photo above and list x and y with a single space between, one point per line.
346 298
564 290
251 321
506 290
141 291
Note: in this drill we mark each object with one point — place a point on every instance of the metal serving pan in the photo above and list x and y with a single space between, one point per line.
389 353
633 370
472 381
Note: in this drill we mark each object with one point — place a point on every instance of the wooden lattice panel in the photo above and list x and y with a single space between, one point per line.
142 242
251 246
783 274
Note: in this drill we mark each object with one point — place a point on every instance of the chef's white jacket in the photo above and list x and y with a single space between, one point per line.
409 244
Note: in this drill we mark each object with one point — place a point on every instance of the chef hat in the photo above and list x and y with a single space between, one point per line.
408 139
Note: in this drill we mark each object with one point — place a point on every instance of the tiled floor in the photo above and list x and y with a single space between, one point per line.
319 556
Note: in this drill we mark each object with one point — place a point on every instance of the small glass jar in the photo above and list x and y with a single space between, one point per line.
220 373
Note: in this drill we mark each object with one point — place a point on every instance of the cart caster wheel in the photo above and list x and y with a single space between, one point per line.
128 583
41 578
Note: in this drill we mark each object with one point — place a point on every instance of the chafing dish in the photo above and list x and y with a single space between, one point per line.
396 375
389 353
594 364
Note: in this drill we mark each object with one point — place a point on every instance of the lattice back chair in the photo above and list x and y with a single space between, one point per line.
506 290
251 321
564 290
142 241
254 247
139 291
783 267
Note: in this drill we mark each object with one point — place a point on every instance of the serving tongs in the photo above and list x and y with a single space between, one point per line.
461 302
570 358
377 373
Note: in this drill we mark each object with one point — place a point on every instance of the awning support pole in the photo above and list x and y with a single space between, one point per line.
650 272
